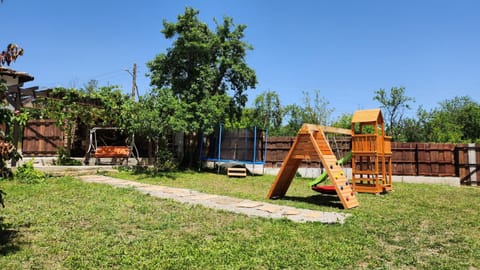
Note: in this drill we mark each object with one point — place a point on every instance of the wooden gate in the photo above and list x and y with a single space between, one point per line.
41 138
467 158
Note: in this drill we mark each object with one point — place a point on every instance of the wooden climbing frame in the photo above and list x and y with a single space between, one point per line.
311 143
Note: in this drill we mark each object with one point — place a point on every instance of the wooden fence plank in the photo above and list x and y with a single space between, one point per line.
404 158
467 163
41 138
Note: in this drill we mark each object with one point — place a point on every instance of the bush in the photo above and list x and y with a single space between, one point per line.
28 175
65 159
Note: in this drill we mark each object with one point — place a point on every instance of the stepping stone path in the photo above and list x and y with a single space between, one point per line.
235 205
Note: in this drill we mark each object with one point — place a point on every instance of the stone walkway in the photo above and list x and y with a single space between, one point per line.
241 206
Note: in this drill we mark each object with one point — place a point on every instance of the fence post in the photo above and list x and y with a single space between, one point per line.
472 164
417 164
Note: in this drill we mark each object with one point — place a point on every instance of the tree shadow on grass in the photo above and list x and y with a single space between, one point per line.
148 172
7 239
323 200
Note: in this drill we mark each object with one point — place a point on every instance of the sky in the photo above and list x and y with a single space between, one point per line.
346 49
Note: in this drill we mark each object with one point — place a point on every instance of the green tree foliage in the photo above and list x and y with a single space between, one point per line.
151 119
456 120
268 113
7 116
206 70
294 115
5 113
344 121
316 110
411 130
313 110
393 102
246 120
103 106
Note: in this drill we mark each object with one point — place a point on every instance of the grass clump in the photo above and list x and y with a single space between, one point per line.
27 174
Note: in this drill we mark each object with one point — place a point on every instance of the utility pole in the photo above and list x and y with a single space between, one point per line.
134 80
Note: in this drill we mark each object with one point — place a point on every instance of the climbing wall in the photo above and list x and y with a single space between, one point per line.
312 144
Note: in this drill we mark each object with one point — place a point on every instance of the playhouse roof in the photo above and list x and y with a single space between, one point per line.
367 116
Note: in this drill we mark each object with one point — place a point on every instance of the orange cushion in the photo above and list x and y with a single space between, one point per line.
112 152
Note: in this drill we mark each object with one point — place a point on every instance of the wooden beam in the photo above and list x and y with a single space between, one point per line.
13 88
336 130
28 91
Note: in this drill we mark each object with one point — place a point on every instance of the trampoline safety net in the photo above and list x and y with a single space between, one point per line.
242 145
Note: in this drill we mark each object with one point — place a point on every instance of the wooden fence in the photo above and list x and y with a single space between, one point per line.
416 159
278 147
423 159
41 138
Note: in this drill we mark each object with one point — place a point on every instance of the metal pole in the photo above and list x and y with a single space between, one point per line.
254 147
265 149
219 146
201 152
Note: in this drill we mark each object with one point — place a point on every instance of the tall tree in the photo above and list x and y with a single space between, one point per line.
316 109
205 69
293 114
203 64
394 102
268 111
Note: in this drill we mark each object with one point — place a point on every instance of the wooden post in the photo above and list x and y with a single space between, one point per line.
472 164
16 126
134 80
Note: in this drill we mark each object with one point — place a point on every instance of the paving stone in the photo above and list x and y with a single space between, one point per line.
291 212
226 200
271 208
203 197
249 204
313 215
241 206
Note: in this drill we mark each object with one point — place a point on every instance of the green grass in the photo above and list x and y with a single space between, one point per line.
66 224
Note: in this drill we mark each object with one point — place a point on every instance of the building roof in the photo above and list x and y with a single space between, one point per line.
368 116
23 76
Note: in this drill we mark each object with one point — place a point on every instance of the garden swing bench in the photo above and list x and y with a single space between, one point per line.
99 148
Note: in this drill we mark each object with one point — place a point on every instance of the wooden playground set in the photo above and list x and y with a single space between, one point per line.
371 159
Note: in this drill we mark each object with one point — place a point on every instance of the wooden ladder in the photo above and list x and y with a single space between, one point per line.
312 143
237 172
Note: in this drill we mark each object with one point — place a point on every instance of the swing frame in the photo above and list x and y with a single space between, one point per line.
115 152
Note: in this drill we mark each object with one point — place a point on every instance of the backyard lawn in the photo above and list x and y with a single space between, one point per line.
67 224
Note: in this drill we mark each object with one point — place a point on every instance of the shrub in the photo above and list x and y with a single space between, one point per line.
28 175
65 159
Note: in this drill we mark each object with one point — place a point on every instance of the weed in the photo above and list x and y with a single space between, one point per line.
27 174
